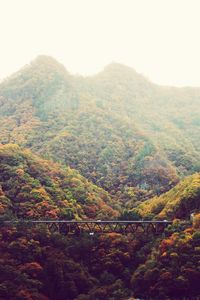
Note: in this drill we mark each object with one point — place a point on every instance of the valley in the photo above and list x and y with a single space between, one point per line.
113 146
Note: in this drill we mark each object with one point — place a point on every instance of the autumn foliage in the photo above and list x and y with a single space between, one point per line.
111 146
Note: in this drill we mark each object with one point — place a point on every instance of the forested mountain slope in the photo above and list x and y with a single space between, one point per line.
38 265
179 202
124 133
33 188
113 136
172 270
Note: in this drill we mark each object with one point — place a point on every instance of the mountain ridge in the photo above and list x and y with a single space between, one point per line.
179 202
128 135
43 58
33 188
106 147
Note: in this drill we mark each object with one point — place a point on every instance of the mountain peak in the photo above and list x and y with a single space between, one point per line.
115 66
123 72
48 63
43 69
45 58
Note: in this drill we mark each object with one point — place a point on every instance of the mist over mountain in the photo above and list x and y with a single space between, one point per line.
117 128
109 146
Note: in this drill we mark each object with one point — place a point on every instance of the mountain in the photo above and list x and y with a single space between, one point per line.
113 145
179 202
33 188
118 129
38 265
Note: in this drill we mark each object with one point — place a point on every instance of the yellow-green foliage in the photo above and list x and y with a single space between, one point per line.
31 187
179 202
117 129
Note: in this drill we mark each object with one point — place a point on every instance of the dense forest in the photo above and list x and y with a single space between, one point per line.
111 146
119 130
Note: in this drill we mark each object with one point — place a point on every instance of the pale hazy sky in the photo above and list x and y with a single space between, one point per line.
159 38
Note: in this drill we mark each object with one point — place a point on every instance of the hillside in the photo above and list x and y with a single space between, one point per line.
127 135
179 202
99 173
172 270
36 265
31 187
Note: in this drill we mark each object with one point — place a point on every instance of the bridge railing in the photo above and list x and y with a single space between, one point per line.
95 226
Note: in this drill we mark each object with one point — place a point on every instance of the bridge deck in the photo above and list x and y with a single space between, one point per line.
88 221
95 226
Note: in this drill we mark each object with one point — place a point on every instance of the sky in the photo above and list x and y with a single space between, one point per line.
158 38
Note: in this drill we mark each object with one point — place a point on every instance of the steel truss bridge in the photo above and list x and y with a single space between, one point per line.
92 227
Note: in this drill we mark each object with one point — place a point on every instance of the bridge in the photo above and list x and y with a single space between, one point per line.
92 227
